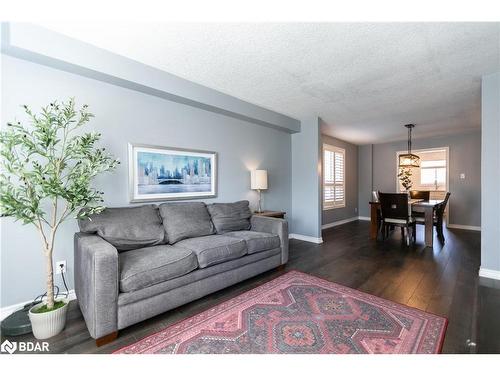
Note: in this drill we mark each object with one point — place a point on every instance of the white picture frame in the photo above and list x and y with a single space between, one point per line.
158 173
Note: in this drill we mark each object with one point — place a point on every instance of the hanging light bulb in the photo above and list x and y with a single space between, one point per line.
409 160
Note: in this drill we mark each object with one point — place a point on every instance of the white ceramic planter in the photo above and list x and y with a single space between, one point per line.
48 324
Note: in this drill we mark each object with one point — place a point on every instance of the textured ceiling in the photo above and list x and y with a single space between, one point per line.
365 80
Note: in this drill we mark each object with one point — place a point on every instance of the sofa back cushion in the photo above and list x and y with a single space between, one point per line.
228 217
127 228
186 220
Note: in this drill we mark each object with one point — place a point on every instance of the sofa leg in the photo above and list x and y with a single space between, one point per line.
106 339
281 267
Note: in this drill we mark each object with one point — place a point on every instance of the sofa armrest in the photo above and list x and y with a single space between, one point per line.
96 283
275 226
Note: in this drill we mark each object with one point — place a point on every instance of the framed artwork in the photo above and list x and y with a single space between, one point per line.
159 173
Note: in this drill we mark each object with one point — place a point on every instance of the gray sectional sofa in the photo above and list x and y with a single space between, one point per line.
133 263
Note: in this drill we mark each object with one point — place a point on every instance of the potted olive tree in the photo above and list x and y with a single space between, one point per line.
46 171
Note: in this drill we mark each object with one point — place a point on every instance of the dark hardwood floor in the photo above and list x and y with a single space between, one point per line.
442 280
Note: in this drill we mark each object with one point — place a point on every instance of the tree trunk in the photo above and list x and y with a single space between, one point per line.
50 280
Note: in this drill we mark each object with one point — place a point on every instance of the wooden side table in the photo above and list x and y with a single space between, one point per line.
278 214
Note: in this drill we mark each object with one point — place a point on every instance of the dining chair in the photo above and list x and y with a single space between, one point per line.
437 219
420 194
396 212
376 198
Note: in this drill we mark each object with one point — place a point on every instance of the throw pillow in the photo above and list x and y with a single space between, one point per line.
229 217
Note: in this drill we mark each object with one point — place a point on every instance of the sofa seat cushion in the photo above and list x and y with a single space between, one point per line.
127 228
256 241
152 265
186 220
228 217
214 249
204 276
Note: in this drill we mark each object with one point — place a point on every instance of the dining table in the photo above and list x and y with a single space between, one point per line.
427 207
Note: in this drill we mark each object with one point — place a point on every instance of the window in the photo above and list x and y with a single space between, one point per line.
433 173
333 177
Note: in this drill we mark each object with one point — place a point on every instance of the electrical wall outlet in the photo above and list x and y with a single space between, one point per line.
60 267
355 209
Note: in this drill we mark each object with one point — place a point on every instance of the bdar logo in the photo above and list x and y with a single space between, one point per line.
22 346
8 347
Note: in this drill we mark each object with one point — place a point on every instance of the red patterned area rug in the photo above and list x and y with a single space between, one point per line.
300 313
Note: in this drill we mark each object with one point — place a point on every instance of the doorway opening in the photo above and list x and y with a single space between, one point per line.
433 174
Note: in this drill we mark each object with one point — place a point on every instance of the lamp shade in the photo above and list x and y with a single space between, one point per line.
409 161
258 179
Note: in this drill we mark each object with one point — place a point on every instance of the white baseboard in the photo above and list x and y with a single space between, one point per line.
7 310
305 238
345 221
339 222
489 274
466 227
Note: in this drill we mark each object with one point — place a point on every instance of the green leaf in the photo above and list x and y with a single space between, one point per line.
44 160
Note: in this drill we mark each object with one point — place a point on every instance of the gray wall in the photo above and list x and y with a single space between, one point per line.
351 182
124 116
365 179
490 113
306 186
465 157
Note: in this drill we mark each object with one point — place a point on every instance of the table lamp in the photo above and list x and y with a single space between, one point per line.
258 181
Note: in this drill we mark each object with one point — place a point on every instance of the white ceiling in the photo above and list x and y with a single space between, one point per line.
365 80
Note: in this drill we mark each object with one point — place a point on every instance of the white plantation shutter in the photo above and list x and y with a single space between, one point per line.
333 177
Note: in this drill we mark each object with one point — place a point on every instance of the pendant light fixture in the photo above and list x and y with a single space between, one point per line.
409 160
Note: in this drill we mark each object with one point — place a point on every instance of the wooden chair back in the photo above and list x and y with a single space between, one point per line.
440 209
394 205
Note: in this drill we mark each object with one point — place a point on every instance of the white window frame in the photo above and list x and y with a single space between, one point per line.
447 153
330 205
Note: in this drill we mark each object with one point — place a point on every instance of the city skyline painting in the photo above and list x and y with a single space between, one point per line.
161 173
